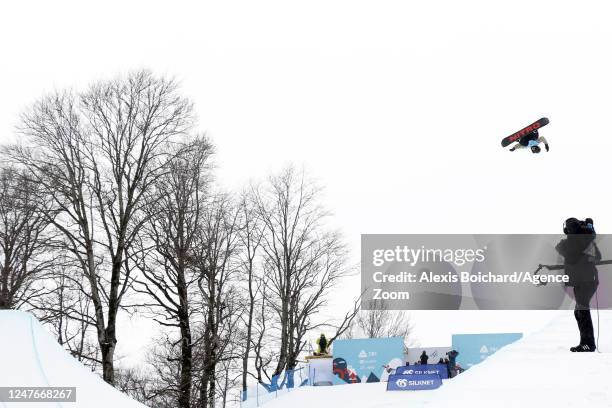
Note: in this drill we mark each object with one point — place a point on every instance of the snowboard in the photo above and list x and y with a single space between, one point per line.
524 131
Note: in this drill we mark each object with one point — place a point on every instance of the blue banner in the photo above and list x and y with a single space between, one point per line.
405 382
440 370
474 348
366 360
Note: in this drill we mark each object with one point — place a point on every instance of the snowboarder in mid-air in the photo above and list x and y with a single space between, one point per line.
531 141
528 137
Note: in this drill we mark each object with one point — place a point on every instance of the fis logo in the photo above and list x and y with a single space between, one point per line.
401 383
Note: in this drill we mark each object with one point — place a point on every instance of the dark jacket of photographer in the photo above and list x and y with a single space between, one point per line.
580 255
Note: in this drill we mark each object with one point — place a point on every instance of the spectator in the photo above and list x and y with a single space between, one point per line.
322 343
424 357
441 361
452 363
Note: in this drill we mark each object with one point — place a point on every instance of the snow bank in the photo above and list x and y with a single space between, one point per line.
30 357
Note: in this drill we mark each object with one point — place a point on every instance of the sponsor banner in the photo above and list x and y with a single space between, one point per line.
441 370
404 382
434 354
366 360
480 272
474 348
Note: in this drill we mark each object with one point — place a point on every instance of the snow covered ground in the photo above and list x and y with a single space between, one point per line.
536 371
31 357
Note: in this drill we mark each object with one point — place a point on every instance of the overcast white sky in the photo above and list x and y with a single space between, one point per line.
396 107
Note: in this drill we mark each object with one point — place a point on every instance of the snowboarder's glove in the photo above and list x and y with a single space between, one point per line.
546 146
512 149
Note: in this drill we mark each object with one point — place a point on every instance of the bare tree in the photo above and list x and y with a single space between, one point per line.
303 259
229 353
380 321
111 195
251 236
67 310
174 218
229 376
24 240
344 328
97 154
263 356
216 261
141 385
164 360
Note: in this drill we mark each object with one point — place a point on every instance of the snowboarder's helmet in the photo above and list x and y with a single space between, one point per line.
340 363
535 149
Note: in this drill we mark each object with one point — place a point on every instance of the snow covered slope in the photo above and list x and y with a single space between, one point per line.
536 371
30 356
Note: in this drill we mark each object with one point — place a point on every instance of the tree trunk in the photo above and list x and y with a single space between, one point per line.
208 371
211 391
108 365
247 351
184 399
110 338
207 392
204 391
4 294
186 359
282 358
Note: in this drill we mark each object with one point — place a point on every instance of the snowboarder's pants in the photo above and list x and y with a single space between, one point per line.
583 293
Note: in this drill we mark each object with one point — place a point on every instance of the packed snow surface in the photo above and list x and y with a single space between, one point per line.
536 371
31 357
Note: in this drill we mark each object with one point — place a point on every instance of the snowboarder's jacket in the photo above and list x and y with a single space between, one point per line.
524 142
580 255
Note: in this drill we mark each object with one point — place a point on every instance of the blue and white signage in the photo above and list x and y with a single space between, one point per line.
366 360
474 348
440 370
405 382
